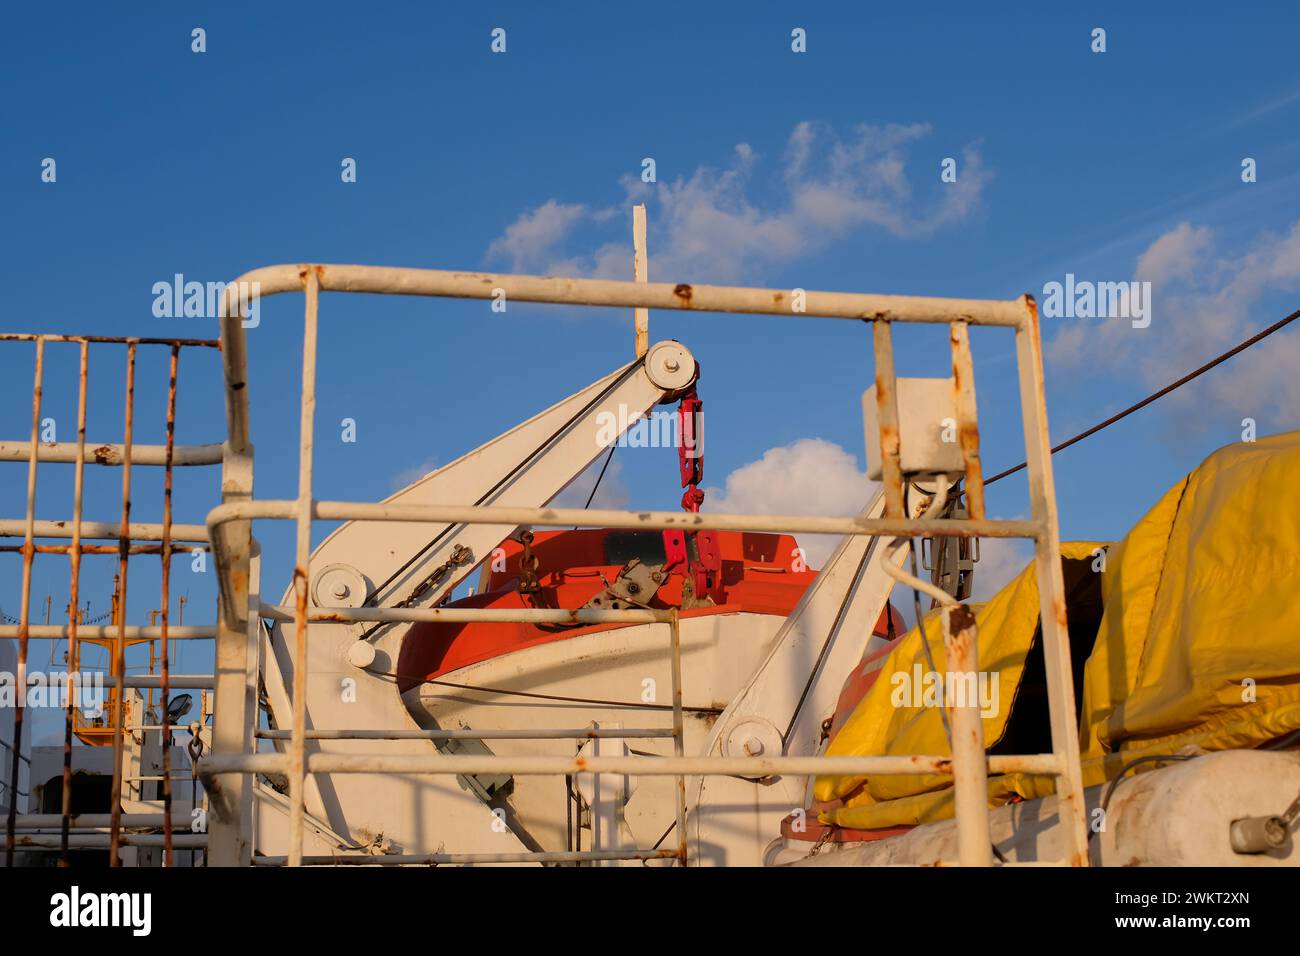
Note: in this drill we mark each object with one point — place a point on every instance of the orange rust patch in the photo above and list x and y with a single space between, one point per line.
961 618
1058 608
1032 306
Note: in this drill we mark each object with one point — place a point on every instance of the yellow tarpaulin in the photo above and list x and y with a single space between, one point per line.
1198 643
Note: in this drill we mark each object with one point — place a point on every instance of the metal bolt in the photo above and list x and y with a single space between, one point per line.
341 590
672 365
753 746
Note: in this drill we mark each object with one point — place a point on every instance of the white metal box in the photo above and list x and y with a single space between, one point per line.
927 428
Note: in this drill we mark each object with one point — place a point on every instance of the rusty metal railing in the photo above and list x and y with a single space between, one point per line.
233 759
119 635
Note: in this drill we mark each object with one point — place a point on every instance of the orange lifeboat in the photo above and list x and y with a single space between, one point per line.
752 573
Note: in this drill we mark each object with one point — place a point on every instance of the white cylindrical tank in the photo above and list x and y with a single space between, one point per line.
1176 815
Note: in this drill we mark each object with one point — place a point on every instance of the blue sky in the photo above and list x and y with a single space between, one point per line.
817 170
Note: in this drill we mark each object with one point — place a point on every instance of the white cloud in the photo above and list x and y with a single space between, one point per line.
530 242
1001 559
1175 255
1202 303
710 225
811 476
815 476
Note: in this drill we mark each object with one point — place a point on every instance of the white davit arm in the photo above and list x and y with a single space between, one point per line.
526 466
781 708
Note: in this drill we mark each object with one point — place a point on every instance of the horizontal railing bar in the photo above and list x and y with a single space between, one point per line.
445 283
110 454
56 830
37 821
432 859
106 339
188 681
105 531
110 549
181 841
347 615
628 766
272 280
559 733
108 632
472 514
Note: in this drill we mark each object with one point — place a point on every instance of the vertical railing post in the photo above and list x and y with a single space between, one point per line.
24 616
119 649
74 596
887 415
640 272
234 696
679 736
302 573
968 435
165 606
969 762
1051 589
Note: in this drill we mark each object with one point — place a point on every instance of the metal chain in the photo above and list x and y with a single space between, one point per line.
459 555
823 839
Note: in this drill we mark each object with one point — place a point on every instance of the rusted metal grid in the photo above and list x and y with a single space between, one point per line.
124 455
228 767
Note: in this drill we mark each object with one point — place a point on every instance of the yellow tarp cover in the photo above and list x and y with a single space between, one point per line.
1198 643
